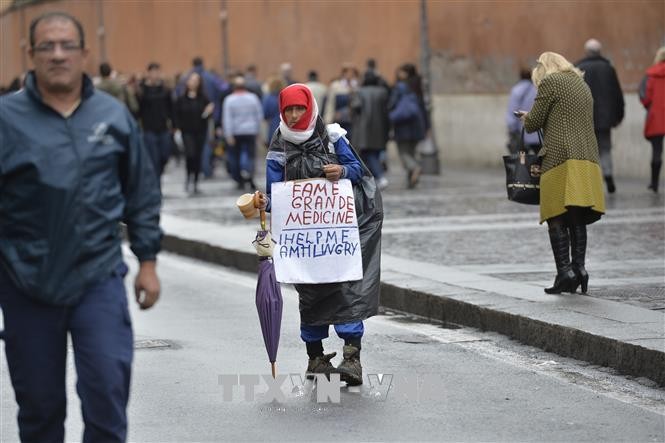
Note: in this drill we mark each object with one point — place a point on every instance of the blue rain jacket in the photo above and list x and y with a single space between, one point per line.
66 183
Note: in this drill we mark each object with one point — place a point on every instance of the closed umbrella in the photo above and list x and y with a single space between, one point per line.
268 294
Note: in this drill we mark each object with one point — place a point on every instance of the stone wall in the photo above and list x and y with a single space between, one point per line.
470 130
477 46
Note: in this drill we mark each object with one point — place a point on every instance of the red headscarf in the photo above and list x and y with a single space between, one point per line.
297 95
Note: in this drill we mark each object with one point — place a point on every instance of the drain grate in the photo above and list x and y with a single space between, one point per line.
153 344
649 297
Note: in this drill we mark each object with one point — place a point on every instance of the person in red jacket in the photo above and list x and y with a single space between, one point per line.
653 99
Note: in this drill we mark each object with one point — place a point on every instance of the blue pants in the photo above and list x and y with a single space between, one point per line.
158 145
241 156
36 349
344 331
372 157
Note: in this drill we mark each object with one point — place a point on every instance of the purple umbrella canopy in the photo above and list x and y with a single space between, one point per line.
269 306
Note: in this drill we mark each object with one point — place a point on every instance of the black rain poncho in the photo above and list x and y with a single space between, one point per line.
346 302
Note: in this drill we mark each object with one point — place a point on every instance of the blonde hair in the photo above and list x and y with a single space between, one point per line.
660 55
275 85
549 63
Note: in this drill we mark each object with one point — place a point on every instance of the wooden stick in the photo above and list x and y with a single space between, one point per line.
274 371
262 212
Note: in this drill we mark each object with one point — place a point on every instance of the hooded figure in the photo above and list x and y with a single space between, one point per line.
303 147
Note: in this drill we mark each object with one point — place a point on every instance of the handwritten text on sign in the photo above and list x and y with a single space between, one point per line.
314 224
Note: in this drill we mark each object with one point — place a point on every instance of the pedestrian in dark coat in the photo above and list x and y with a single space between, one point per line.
409 124
192 110
654 126
271 106
369 106
156 116
608 104
72 167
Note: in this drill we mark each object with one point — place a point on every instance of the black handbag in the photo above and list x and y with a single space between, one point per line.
521 186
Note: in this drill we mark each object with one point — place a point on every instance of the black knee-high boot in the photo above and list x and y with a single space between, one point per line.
578 253
655 175
565 280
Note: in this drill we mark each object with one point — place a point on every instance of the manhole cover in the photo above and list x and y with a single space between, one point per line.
153 344
412 339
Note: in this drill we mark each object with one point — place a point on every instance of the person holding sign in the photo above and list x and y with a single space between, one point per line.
302 148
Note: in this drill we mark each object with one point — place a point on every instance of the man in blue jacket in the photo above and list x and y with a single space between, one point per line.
72 167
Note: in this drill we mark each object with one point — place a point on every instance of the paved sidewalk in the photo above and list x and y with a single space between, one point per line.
456 251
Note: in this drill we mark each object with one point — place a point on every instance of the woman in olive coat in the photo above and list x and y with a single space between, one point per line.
571 186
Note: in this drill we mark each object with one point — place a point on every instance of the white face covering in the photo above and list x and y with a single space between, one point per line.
299 136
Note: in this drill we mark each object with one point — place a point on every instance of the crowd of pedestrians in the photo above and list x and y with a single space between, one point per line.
370 109
354 100
170 112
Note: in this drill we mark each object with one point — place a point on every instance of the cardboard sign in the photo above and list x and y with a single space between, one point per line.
315 226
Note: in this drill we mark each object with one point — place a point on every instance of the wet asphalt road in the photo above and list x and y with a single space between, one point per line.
473 386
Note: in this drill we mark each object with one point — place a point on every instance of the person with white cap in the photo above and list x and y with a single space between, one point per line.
608 104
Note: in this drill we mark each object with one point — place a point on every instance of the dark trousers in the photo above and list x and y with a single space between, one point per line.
604 139
372 157
158 145
36 349
656 149
407 153
194 144
206 158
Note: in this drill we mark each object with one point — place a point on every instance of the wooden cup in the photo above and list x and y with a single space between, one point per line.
246 205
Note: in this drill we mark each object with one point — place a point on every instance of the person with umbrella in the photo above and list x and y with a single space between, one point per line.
302 148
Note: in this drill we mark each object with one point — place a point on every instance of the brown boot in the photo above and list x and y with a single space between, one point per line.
350 370
320 365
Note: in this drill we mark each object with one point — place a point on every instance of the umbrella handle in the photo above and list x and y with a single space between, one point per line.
274 371
262 212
